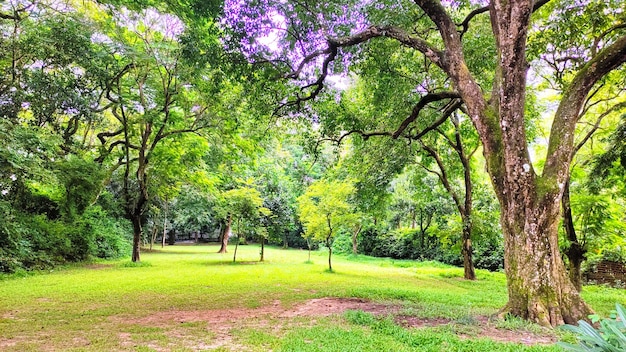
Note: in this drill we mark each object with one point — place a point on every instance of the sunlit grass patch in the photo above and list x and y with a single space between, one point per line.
107 305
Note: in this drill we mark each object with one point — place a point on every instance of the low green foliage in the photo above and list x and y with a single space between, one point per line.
39 242
610 336
511 322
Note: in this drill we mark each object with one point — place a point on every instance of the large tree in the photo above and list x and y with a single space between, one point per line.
154 99
439 35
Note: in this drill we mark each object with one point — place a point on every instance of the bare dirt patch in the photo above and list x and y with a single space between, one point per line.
415 322
98 266
516 336
484 328
218 317
222 321
329 306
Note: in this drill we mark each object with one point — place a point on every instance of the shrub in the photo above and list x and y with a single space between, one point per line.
108 237
29 241
489 256
342 243
609 337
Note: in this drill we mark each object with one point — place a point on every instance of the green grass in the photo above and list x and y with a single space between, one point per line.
116 305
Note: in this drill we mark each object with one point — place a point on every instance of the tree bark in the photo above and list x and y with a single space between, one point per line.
224 235
235 252
238 239
308 244
467 251
285 242
153 236
329 244
355 234
576 251
262 249
538 285
164 222
136 220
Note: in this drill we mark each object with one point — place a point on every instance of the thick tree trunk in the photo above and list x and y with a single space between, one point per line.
224 235
575 252
136 220
538 285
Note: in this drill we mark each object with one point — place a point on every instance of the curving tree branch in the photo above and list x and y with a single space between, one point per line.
330 53
561 145
423 102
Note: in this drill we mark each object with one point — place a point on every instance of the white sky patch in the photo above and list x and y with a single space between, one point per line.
36 65
169 25
274 32
339 82
100 38
270 41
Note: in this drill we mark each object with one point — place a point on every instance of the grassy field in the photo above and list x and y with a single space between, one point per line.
189 298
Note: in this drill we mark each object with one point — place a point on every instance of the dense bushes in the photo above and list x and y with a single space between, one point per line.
30 241
412 244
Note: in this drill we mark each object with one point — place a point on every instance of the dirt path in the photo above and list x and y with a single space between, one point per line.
221 321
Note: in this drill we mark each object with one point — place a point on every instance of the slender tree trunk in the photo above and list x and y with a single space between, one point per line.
423 228
308 244
164 222
153 236
355 234
467 251
464 205
575 268
262 248
238 239
329 244
224 235
164 231
285 243
136 220
235 252
575 252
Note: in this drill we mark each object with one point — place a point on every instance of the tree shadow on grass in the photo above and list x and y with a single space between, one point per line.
167 252
230 262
